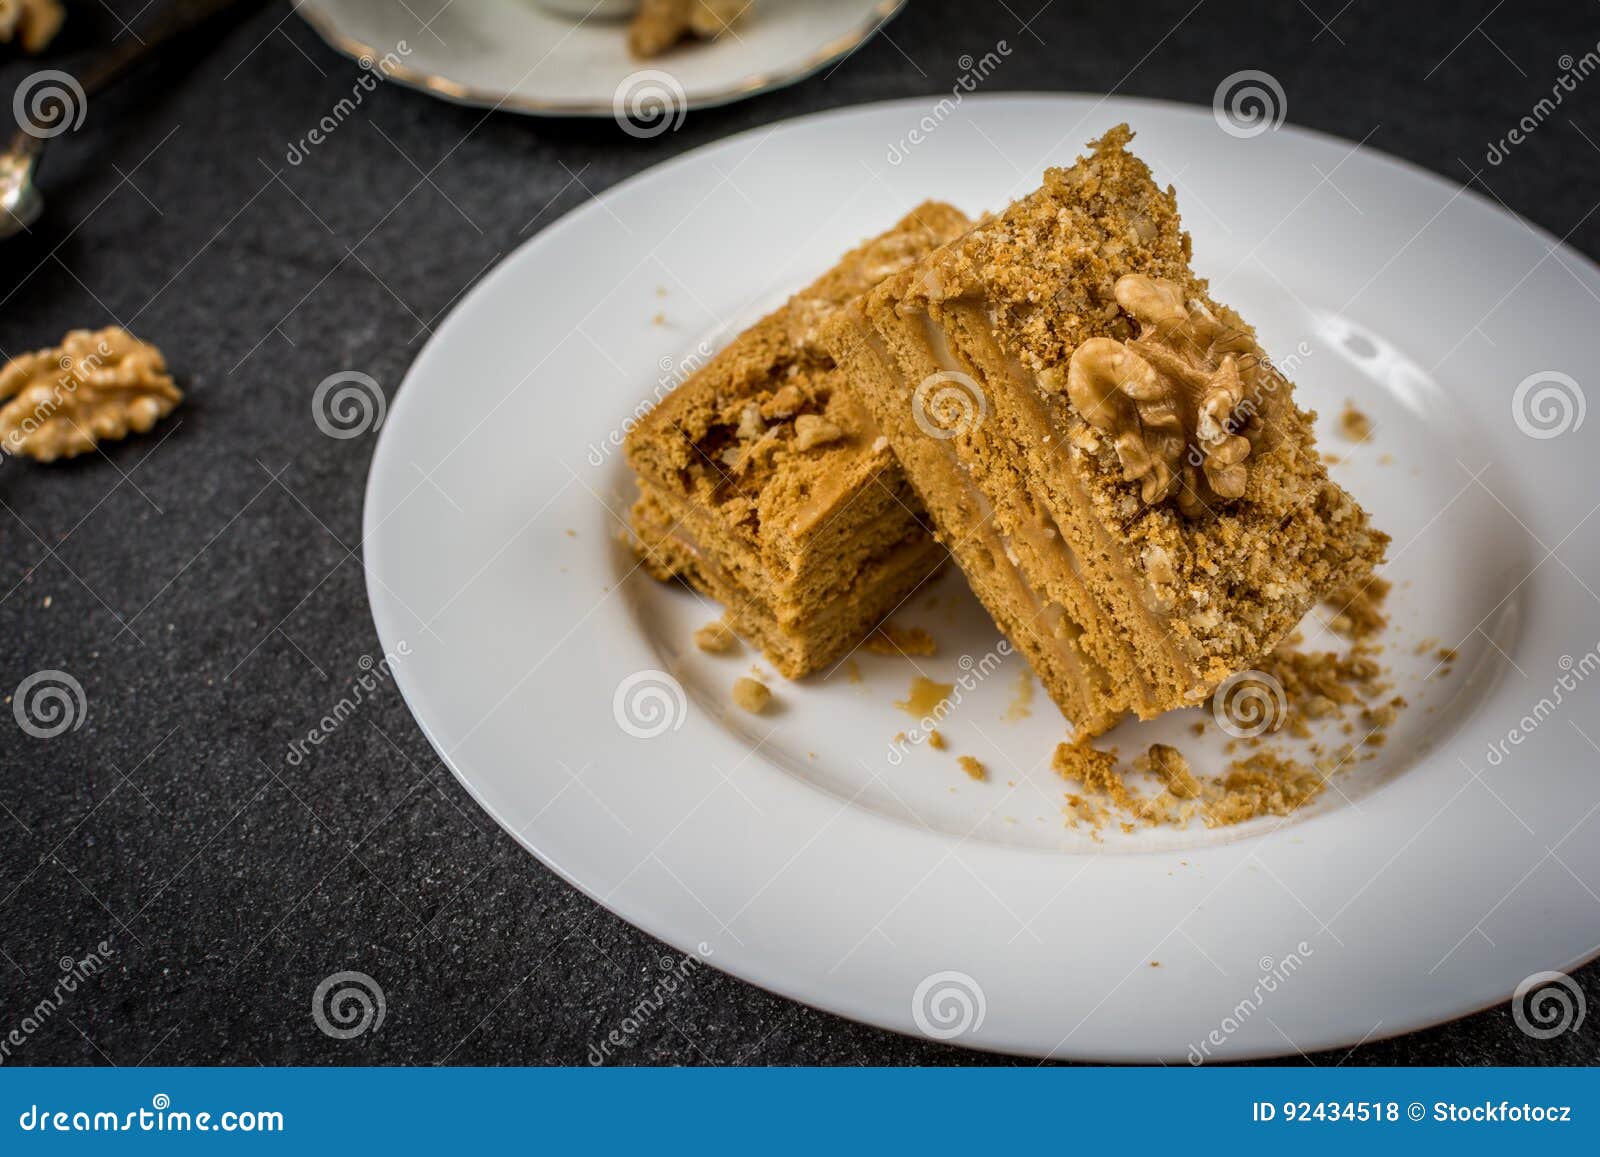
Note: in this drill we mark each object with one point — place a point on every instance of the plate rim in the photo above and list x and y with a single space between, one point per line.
468 95
640 916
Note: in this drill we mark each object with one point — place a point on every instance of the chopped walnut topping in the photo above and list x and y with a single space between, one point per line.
785 403
810 431
1181 381
95 387
806 315
1158 565
753 441
751 426
33 24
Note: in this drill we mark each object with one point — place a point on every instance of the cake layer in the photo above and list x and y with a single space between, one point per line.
797 637
1048 637
1107 452
812 587
781 481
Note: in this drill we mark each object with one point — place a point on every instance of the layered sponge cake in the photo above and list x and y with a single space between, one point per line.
1107 451
768 488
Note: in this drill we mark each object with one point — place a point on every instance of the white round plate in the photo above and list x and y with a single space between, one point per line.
518 56
805 858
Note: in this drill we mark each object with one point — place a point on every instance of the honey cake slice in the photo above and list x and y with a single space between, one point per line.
769 489
1106 451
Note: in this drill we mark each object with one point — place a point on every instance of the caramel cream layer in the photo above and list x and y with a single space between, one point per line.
1053 538
1047 543
1060 632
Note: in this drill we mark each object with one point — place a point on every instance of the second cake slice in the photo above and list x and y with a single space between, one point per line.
766 487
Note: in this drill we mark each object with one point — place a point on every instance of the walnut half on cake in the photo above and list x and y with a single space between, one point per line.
1106 451
768 488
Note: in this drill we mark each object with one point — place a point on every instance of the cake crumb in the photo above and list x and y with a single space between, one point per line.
752 695
973 767
1359 609
1320 685
1263 784
852 670
1384 715
889 639
936 740
1097 771
1354 425
1082 761
1081 811
1169 765
715 638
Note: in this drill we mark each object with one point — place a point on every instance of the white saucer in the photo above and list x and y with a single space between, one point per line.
517 56
1430 883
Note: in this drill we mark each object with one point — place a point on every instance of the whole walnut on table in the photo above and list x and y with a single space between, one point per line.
95 387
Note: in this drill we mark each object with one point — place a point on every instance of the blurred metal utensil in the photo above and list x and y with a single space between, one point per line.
20 202
51 102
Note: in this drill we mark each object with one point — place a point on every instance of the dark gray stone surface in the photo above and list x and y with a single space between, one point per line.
203 583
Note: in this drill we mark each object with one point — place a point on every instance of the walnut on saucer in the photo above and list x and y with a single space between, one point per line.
661 24
95 387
